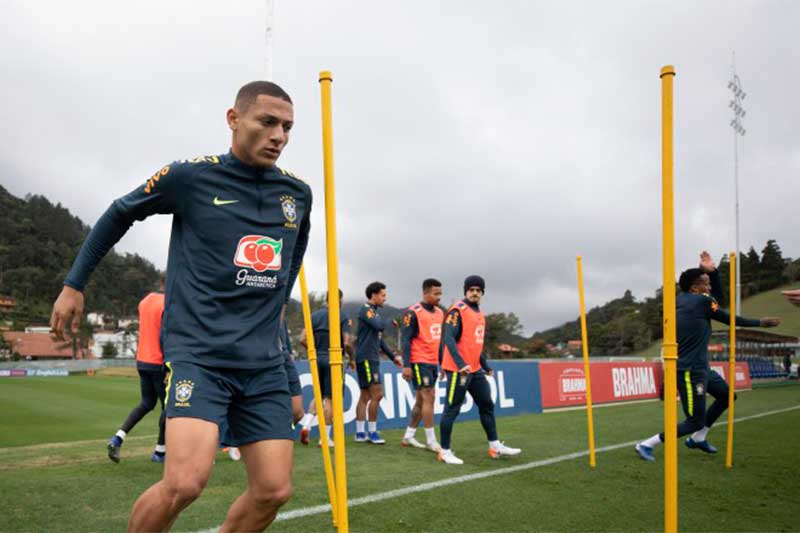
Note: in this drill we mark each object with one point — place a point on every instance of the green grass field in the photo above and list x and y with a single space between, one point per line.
54 474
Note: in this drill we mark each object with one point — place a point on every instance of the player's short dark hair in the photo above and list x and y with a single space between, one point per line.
373 288
430 283
689 278
341 295
249 92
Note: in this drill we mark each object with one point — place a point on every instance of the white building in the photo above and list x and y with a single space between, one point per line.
126 343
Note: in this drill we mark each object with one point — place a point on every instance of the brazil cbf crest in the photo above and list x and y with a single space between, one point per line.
289 207
183 392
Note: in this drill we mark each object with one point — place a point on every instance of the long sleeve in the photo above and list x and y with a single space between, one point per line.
410 329
387 351
452 334
160 195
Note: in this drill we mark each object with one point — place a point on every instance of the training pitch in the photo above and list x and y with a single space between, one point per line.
55 476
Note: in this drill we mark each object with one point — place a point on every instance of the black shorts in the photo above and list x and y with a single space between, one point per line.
294 378
254 405
369 373
424 375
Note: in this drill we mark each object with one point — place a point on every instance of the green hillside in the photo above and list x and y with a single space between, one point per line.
768 303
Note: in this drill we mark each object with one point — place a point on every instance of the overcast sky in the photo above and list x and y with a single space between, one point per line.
498 138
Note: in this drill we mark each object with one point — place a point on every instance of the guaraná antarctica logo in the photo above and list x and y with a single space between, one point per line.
260 253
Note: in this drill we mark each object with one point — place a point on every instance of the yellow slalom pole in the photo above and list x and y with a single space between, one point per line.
312 363
670 346
586 372
732 352
334 326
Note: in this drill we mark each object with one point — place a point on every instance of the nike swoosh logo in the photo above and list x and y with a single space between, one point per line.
217 201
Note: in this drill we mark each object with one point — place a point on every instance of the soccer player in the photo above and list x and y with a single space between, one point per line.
150 366
696 306
369 342
465 368
422 341
239 232
321 331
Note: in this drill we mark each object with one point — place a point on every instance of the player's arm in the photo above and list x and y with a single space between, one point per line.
390 355
708 266
160 195
485 365
300 246
409 330
714 312
451 336
371 319
302 340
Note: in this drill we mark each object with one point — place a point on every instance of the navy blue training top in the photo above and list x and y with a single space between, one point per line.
694 312
369 339
238 238
321 327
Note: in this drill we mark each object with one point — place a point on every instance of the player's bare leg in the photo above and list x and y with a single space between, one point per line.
193 444
269 486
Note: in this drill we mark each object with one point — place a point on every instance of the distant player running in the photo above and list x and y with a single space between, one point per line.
422 344
369 344
696 306
321 331
465 367
240 229
150 366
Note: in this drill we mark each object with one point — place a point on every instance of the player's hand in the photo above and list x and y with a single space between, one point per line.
398 361
465 370
67 310
352 364
707 262
407 374
793 296
490 373
441 374
770 322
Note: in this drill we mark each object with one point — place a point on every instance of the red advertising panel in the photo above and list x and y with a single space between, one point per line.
743 380
563 384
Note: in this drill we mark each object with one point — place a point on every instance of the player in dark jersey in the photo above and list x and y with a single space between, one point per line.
322 343
239 232
696 306
369 345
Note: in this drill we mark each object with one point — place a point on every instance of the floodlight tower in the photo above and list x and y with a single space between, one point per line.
735 86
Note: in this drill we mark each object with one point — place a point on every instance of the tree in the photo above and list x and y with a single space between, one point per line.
109 350
772 265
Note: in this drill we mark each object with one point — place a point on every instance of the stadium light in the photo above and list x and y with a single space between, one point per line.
735 86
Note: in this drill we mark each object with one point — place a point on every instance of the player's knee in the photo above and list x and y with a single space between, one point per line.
186 490
148 404
272 497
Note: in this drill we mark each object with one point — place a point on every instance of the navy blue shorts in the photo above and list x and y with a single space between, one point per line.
423 375
253 405
369 373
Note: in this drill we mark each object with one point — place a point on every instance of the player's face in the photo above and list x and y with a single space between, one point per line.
379 298
261 131
432 296
703 284
474 295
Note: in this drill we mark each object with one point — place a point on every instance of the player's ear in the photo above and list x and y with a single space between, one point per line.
233 118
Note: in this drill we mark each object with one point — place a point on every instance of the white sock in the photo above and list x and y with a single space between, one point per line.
652 442
373 426
701 434
494 443
121 434
445 451
410 433
306 420
360 426
430 435
161 448
328 432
